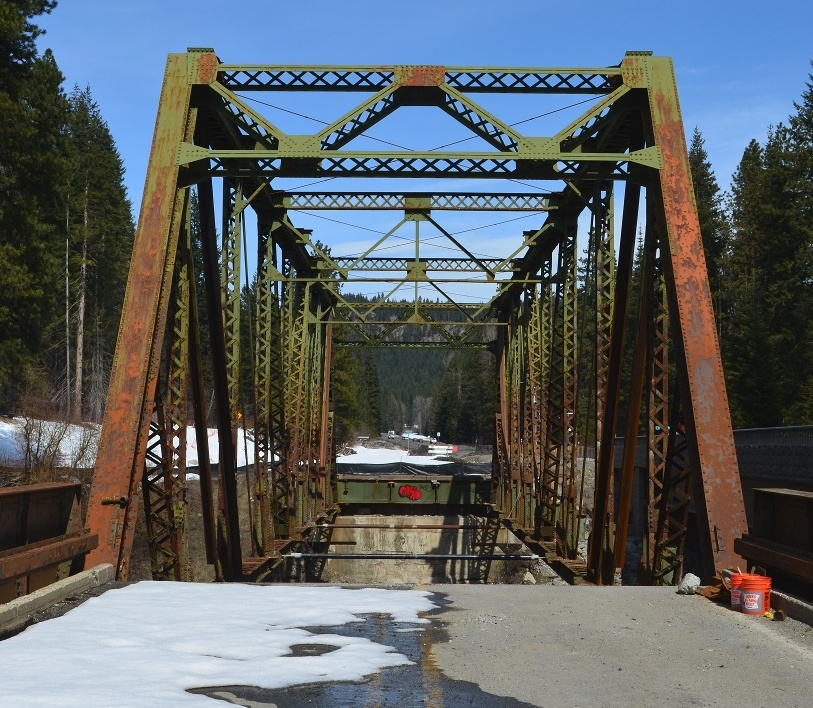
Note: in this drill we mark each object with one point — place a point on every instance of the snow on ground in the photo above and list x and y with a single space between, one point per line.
245 447
385 456
77 447
146 644
8 444
78 443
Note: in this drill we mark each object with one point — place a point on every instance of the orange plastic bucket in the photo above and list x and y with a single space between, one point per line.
766 597
736 592
755 588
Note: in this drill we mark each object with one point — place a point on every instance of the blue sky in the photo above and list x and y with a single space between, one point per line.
739 65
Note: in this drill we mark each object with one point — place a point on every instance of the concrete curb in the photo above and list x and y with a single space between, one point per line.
13 612
792 606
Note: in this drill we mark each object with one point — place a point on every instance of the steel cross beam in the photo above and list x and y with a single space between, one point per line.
443 265
538 161
560 372
450 201
375 78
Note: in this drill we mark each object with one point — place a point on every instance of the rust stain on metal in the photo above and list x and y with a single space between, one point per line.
207 69
35 489
122 443
41 555
634 71
708 415
420 75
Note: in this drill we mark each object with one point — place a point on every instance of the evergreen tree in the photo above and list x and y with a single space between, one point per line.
101 240
713 223
33 112
465 400
344 390
766 345
371 398
800 186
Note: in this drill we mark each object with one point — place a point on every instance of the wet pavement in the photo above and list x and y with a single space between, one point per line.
415 686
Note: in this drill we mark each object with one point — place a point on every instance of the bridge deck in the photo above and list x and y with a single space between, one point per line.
556 646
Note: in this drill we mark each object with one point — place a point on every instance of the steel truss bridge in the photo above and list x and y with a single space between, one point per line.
627 138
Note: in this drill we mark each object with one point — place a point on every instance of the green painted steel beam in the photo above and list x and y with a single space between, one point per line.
412 490
248 77
396 305
410 345
446 265
438 201
306 148
408 166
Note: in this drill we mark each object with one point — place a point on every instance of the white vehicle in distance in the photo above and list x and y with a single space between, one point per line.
417 437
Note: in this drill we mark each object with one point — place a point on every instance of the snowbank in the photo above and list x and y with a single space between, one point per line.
78 443
146 644
75 445
385 456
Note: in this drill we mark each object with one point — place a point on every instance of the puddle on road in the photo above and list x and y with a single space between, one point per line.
419 685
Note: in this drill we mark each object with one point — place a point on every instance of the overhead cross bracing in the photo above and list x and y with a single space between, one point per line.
506 220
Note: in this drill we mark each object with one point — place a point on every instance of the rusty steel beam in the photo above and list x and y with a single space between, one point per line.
657 397
40 528
418 556
708 420
776 557
37 512
123 441
34 556
228 529
401 527
631 436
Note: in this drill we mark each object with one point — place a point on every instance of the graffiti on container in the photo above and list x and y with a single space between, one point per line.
410 492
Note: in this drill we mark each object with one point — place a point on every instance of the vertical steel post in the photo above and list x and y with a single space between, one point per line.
164 477
569 269
658 392
602 536
263 352
229 534
707 417
122 446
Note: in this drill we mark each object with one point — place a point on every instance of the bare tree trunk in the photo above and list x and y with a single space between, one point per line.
67 408
80 314
98 375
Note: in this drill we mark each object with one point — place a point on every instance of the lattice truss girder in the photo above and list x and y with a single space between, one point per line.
555 316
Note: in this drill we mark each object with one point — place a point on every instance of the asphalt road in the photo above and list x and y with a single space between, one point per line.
509 646
620 646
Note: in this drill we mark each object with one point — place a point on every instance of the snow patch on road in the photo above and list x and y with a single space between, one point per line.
146 644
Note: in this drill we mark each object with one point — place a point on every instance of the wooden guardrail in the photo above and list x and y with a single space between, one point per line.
42 538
